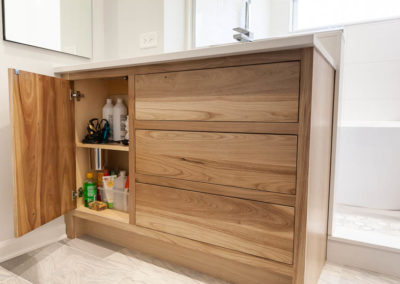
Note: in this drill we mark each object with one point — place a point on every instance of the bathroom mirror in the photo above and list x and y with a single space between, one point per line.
60 25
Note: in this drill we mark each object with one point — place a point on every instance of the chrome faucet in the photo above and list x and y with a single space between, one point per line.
244 34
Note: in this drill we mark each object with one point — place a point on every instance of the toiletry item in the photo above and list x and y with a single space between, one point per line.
119 199
97 158
127 184
98 131
108 185
100 175
126 190
89 189
120 181
108 115
97 205
119 117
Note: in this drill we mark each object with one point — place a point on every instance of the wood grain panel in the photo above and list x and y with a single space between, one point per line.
252 227
302 165
218 126
320 166
255 161
222 263
132 149
257 195
176 242
44 149
254 93
202 63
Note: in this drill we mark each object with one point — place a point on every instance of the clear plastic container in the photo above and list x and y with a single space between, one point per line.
119 196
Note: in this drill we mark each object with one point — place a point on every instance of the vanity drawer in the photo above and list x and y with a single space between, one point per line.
254 161
252 93
251 227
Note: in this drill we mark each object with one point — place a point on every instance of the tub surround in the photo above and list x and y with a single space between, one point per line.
367 162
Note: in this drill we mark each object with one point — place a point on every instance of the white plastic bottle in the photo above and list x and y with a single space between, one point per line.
108 114
120 181
119 118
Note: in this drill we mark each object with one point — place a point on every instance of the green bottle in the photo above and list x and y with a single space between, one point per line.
89 189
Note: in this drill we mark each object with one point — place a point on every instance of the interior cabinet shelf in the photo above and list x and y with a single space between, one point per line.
115 215
111 146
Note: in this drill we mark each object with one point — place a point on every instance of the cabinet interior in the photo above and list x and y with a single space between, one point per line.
116 156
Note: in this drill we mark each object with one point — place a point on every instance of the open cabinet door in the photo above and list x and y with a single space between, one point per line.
42 121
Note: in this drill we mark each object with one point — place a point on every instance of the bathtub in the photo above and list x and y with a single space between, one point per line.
368 165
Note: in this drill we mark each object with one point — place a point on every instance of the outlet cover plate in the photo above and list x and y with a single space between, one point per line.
148 40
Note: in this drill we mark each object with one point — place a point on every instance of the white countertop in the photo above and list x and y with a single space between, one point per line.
271 44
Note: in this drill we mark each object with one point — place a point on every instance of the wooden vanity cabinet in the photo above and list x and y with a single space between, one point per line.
229 160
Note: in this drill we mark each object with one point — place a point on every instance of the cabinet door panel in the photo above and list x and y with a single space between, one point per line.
252 227
42 116
253 93
255 161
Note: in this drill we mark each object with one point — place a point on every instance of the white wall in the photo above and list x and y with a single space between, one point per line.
279 17
39 61
135 18
73 18
125 20
174 25
216 19
260 18
372 70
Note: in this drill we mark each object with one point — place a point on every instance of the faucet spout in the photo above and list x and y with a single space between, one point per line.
244 34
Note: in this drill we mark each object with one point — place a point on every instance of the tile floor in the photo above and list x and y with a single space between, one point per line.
7 277
89 260
379 227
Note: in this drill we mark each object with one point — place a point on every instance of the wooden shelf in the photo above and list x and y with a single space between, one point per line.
115 215
114 147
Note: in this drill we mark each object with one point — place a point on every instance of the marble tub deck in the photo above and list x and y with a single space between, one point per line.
89 260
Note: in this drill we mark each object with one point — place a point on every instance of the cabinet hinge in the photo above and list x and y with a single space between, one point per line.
75 95
16 72
77 193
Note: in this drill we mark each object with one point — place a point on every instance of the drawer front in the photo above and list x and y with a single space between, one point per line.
251 227
255 161
253 93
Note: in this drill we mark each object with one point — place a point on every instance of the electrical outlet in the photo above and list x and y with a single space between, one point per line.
148 40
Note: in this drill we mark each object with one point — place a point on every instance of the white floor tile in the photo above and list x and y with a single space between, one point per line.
153 270
93 246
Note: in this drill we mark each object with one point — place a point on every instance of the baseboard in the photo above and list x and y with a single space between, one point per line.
39 238
365 256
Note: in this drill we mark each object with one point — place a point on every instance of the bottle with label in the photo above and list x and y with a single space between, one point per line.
108 114
100 175
119 117
89 189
